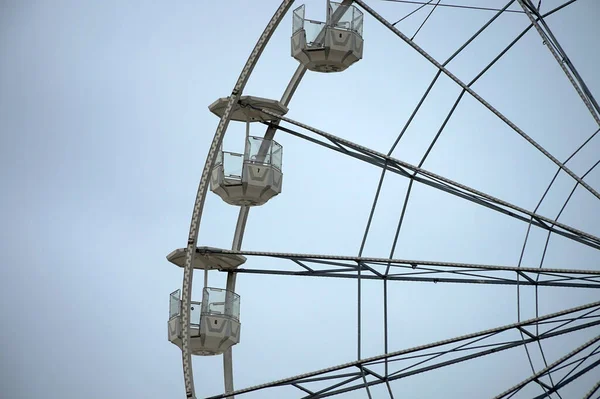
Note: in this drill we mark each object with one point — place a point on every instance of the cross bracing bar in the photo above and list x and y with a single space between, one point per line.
548 369
434 180
575 364
416 360
418 270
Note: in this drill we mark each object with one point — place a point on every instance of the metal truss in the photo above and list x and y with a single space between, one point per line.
416 360
312 265
556 366
561 58
433 180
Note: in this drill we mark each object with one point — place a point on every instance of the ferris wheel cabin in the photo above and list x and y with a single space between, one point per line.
215 321
330 46
254 177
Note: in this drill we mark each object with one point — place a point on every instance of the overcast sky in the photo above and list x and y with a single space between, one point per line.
104 130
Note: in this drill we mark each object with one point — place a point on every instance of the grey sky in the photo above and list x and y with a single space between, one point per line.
104 130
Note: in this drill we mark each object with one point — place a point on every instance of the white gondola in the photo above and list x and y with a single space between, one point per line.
214 322
330 46
254 177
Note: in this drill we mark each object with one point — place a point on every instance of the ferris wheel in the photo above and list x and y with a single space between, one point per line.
211 325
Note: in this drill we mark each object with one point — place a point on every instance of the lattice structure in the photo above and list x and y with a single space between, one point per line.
325 52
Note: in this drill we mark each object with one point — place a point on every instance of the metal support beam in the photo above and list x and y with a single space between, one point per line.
358 153
418 270
562 59
548 369
544 221
463 352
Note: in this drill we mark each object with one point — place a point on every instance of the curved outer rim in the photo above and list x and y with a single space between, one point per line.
203 187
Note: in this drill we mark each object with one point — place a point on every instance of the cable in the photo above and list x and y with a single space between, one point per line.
411 13
455 6
426 18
